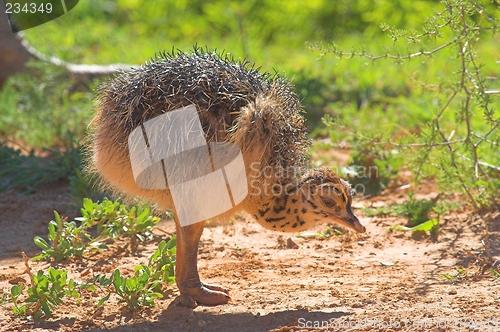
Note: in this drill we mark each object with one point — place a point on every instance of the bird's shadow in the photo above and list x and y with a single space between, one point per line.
183 319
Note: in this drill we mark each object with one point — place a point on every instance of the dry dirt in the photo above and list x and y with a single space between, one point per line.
333 284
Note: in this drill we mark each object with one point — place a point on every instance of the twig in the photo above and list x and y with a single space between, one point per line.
427 144
28 269
385 56
482 163
484 139
35 306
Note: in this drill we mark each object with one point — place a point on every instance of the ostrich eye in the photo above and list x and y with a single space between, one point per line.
337 191
328 201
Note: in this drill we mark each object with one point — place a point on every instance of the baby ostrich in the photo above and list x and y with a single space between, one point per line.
237 104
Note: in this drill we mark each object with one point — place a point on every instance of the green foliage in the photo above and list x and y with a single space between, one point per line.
372 166
260 29
145 285
461 274
41 110
429 225
38 108
422 214
143 288
81 186
25 172
137 290
162 262
114 219
45 294
458 143
494 272
417 211
66 240
15 292
48 290
111 219
489 269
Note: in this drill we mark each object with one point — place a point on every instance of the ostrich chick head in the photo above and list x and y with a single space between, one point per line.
317 196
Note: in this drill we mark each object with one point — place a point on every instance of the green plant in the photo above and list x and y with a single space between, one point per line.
417 211
80 186
15 292
461 274
135 291
329 231
25 171
38 107
40 113
422 214
48 290
429 225
45 294
459 143
162 262
112 219
66 240
145 285
372 166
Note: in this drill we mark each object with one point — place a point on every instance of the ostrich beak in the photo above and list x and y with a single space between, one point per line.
350 220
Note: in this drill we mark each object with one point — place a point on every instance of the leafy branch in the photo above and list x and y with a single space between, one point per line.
466 154
111 219
48 290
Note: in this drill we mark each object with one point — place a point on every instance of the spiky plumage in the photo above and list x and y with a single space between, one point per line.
236 103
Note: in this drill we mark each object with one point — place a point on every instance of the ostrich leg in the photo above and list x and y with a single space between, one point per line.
193 291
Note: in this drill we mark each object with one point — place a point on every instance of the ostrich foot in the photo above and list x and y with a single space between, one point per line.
206 294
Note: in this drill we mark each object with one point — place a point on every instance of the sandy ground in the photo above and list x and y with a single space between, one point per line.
378 281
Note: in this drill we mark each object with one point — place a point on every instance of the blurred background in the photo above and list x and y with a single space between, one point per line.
381 112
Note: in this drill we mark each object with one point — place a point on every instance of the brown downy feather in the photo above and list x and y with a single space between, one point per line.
236 103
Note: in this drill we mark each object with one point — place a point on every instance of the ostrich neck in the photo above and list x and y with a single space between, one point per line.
278 203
